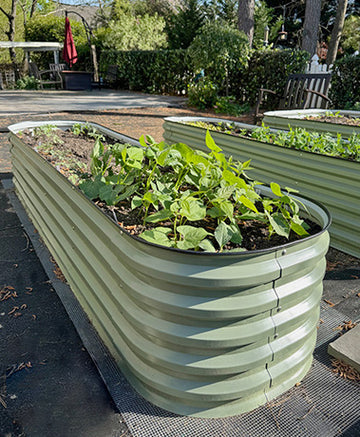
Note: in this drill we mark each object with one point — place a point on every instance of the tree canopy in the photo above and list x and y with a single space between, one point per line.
153 24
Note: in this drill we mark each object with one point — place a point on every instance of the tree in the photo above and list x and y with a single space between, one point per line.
311 26
136 33
337 31
185 24
11 16
226 10
350 38
28 8
246 18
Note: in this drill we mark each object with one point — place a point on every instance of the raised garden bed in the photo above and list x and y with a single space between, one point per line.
198 333
333 181
343 122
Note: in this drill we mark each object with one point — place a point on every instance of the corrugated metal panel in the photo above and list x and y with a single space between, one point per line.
332 181
202 334
296 118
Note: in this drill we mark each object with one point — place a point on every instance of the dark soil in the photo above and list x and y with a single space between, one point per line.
73 149
71 146
346 120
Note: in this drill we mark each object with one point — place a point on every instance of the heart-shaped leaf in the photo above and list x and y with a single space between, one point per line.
158 236
222 234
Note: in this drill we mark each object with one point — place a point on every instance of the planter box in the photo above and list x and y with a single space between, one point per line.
332 181
76 80
199 334
296 118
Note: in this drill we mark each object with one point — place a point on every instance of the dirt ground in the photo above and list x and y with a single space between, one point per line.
132 122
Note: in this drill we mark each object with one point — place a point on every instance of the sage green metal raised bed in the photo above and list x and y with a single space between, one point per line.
297 118
332 181
195 333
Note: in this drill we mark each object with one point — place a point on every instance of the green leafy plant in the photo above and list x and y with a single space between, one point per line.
298 138
203 94
49 135
187 199
229 105
27 83
86 130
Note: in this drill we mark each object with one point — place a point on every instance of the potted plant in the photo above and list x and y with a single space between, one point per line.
333 121
332 180
197 332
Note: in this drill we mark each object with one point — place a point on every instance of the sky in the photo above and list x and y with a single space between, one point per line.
80 2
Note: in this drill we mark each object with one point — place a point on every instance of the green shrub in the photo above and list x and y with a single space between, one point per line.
202 94
345 82
219 50
27 83
229 105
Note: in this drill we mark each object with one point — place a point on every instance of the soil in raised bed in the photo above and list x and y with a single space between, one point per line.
345 120
78 148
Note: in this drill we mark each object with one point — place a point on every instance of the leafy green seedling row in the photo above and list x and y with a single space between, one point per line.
298 138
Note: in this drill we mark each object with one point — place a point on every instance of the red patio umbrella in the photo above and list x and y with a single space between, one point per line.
69 53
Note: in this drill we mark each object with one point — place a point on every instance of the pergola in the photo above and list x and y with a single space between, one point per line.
37 46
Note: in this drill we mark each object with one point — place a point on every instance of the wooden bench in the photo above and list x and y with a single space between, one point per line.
302 91
45 77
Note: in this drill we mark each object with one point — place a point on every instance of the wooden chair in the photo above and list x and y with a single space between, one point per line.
45 77
9 80
302 91
57 67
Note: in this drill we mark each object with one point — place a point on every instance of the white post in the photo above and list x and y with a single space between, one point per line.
56 57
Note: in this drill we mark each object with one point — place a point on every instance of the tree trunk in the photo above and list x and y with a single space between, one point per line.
33 8
337 31
11 32
311 26
246 18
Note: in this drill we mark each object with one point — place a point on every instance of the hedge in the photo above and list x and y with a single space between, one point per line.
268 69
158 71
169 71
345 83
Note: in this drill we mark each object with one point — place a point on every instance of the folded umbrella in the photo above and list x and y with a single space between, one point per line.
69 53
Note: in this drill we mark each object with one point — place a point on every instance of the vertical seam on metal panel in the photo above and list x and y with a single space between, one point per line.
272 320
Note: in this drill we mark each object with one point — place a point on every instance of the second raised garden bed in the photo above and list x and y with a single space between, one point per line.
335 122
